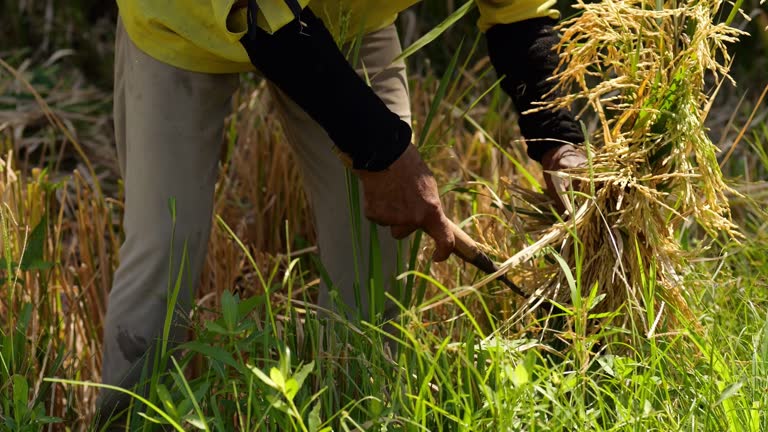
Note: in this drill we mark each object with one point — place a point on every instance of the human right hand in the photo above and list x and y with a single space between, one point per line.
404 197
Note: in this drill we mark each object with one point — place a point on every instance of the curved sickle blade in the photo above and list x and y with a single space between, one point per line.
469 252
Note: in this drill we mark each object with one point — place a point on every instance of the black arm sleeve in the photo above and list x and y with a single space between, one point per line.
523 53
303 60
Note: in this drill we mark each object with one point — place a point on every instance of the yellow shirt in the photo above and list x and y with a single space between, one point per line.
203 35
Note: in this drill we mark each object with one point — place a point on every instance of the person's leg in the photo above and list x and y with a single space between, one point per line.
168 125
344 255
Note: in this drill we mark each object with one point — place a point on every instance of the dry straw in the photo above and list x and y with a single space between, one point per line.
649 71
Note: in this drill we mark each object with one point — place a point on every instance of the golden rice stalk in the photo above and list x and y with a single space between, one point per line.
642 69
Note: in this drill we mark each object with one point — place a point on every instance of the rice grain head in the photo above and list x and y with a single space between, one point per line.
643 72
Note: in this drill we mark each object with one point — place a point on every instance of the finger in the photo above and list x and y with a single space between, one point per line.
378 220
440 230
574 160
400 232
553 193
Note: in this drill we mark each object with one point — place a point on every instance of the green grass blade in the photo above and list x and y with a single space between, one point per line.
146 402
436 32
437 100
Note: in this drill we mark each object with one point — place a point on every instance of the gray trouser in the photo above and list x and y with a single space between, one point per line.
169 126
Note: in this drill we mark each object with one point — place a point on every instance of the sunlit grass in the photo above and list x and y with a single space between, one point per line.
260 357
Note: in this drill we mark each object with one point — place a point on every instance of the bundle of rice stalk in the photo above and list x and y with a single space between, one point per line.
640 66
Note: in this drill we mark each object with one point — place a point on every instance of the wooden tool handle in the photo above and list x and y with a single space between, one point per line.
468 250
465 247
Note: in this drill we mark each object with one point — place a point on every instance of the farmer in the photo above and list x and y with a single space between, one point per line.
176 68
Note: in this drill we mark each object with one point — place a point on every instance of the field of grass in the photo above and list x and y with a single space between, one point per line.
460 357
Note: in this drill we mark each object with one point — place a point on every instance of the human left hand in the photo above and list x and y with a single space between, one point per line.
564 157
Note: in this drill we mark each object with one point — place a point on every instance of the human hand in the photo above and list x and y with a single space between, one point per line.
404 197
564 157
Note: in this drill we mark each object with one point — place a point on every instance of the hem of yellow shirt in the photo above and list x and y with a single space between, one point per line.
185 59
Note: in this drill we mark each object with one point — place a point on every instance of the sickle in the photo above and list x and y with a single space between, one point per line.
467 249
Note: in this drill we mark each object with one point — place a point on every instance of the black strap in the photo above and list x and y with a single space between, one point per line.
309 68
295 8
253 12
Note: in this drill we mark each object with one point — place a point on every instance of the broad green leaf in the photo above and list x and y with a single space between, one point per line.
33 258
276 403
314 418
229 309
594 297
248 305
291 388
20 394
569 383
185 405
277 378
606 362
520 375
195 422
262 376
165 397
216 328
566 269
647 407
212 352
302 374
